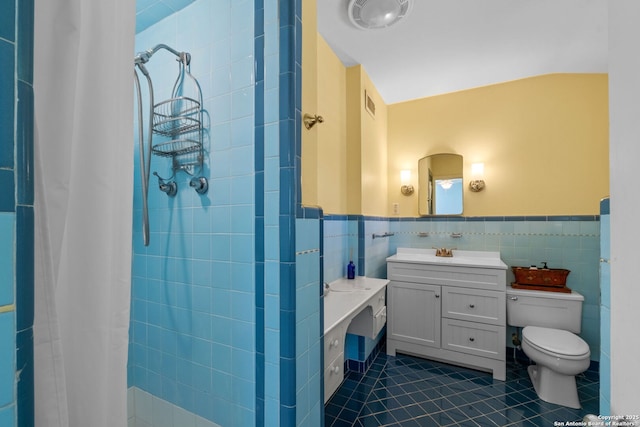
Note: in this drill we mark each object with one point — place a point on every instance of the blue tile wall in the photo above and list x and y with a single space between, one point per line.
7 258
24 144
7 101
198 296
7 197
259 156
7 355
24 65
571 242
24 272
7 20
308 327
296 403
340 245
150 12
605 308
16 213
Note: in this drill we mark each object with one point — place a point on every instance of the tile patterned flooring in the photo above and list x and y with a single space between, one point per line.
408 391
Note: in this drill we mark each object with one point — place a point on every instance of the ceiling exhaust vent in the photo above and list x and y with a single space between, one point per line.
377 14
369 105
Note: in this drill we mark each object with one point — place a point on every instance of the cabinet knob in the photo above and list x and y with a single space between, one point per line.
437 295
334 343
472 305
335 369
514 298
472 339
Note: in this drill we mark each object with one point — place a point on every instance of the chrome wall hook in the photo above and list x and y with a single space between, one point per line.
200 184
169 187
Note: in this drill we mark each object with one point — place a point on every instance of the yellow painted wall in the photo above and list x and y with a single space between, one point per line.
309 102
354 166
332 133
373 149
344 164
543 140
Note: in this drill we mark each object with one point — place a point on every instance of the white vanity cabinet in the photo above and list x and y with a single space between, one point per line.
333 359
448 309
357 307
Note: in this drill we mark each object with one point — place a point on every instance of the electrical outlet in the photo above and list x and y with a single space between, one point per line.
395 209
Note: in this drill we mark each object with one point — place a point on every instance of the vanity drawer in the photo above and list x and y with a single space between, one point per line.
473 338
469 277
333 376
379 300
333 344
474 305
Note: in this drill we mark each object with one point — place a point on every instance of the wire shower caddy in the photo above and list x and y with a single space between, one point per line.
180 119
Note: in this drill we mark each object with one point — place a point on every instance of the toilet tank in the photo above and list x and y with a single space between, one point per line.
546 309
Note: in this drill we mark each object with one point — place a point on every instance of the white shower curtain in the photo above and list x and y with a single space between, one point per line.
83 67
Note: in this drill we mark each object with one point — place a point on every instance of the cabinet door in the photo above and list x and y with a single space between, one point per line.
413 313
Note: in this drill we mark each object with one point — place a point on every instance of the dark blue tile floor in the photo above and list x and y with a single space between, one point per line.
409 391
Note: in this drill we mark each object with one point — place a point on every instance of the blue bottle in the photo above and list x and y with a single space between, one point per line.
351 270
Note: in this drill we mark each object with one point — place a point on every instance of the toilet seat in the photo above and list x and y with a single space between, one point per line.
556 342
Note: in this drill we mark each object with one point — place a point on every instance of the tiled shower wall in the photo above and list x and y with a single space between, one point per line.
571 242
217 286
193 324
16 213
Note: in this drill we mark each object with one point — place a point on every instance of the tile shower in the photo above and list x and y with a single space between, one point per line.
216 286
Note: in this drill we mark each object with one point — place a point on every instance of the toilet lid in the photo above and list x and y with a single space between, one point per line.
555 341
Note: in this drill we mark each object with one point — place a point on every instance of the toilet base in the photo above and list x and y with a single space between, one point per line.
554 387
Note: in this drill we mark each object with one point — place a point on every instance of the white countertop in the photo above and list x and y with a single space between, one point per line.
348 297
484 259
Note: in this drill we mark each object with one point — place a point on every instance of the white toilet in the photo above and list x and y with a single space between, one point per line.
550 321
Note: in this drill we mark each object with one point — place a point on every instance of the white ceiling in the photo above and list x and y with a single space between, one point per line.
449 45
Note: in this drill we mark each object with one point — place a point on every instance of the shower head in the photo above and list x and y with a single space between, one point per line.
144 56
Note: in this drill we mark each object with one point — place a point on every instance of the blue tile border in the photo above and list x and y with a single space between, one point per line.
21 184
24 40
490 218
259 247
362 367
24 144
442 218
7 104
24 365
24 267
7 20
7 191
605 208
290 43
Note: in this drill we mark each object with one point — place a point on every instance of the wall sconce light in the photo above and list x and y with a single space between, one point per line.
311 120
405 179
477 175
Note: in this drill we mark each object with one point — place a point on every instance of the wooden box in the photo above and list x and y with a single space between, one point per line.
542 279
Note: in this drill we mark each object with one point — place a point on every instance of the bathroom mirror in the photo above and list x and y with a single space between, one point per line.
440 189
